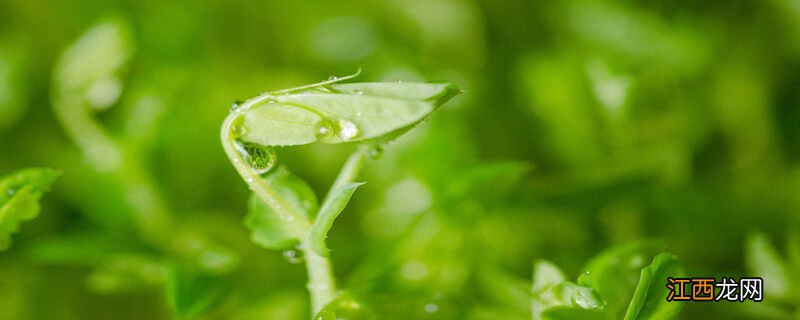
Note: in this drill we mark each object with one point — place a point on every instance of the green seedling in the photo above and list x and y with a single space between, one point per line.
284 213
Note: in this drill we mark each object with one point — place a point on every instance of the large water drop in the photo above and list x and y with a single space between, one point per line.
260 158
347 130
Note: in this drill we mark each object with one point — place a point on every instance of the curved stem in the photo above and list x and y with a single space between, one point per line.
297 222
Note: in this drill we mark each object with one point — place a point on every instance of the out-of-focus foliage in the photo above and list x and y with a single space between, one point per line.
20 200
585 125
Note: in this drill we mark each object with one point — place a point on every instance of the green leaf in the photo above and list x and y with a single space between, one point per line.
545 275
191 294
614 273
562 294
650 299
90 67
19 199
345 306
329 211
126 273
266 226
342 112
567 313
765 261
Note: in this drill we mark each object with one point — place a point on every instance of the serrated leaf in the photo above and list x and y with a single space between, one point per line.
191 294
19 199
566 313
649 300
342 112
329 211
615 273
764 260
266 226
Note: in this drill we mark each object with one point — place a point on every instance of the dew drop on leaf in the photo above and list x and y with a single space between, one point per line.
236 105
375 153
293 256
333 78
347 130
11 192
323 131
260 158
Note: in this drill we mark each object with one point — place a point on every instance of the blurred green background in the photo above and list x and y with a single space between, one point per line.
585 125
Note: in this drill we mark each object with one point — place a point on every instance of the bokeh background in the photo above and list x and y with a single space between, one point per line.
585 125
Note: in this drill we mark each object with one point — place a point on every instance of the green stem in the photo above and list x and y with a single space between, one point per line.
295 220
321 282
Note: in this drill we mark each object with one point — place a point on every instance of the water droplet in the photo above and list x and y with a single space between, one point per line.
237 126
347 130
293 256
236 105
391 142
358 92
323 131
375 152
11 192
333 78
272 101
431 308
398 81
249 180
260 158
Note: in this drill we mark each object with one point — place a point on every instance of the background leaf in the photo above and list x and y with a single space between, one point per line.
191 294
19 199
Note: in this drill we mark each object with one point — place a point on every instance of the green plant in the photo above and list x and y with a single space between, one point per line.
284 212
19 199
615 284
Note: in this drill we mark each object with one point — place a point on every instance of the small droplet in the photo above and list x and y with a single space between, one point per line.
333 78
375 153
260 158
272 101
323 131
431 308
358 92
347 130
236 105
391 142
11 192
398 81
249 180
237 125
293 256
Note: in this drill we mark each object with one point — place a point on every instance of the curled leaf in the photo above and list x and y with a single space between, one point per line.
341 112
